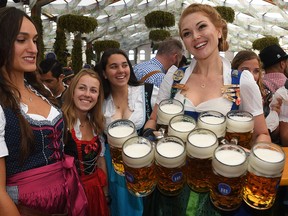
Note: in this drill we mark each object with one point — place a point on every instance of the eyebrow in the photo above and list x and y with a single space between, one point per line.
27 34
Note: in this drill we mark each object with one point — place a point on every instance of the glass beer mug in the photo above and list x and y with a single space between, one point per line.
200 146
117 133
170 158
265 165
229 165
166 110
214 121
239 128
140 173
180 126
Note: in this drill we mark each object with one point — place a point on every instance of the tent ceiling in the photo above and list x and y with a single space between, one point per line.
124 20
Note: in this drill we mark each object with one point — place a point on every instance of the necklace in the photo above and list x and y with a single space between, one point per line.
203 85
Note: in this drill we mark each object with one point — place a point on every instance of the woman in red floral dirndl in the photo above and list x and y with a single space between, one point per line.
82 110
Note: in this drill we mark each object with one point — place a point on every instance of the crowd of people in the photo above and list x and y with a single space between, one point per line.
55 158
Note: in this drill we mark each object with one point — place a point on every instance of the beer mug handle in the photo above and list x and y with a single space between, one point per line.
224 141
234 141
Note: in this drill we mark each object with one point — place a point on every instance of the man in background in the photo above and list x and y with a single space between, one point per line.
153 71
275 64
51 74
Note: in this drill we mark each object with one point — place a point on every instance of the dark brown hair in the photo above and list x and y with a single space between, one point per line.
10 24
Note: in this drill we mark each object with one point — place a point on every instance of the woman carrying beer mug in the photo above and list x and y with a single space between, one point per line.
207 84
125 98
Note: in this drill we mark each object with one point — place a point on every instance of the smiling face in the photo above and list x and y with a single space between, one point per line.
86 93
199 35
25 48
117 70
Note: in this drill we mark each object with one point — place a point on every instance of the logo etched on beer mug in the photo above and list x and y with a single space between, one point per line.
140 171
229 165
170 158
180 126
200 147
117 133
265 167
239 128
166 110
214 121
224 189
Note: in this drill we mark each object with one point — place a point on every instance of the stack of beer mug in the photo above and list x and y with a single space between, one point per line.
167 109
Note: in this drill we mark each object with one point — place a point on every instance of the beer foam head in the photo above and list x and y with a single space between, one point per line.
167 109
180 129
171 108
229 162
267 159
183 126
170 154
213 123
138 155
240 123
201 145
119 134
120 131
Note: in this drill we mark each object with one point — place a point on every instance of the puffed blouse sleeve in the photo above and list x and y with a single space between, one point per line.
103 149
251 99
3 146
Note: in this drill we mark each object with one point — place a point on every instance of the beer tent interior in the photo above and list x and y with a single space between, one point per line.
123 20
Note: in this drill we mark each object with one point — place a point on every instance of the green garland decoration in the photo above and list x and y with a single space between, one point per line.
102 45
261 43
76 50
159 19
159 35
77 23
227 13
89 55
60 46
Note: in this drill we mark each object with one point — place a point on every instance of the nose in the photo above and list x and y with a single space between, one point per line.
32 47
87 93
195 35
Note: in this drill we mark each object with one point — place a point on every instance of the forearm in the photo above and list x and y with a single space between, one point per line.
7 206
102 165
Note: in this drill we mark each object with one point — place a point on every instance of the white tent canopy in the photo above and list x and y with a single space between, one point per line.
124 20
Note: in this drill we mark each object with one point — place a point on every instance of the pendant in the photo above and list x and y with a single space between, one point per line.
30 99
203 85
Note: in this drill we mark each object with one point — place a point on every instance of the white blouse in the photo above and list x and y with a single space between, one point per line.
251 99
136 104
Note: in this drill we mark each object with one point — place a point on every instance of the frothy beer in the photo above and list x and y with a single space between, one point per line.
214 121
170 158
266 163
180 126
200 147
166 110
140 171
229 167
118 132
240 126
